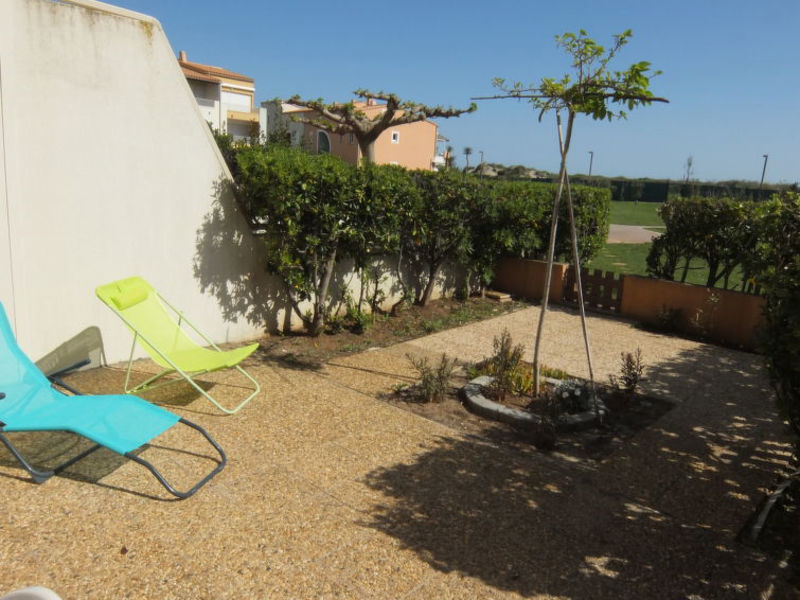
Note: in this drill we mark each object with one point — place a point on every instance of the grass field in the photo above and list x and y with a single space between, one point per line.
631 259
632 213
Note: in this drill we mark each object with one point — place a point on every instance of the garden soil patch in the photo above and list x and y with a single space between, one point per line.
302 351
595 443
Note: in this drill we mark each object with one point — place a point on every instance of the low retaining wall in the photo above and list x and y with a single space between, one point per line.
721 315
525 278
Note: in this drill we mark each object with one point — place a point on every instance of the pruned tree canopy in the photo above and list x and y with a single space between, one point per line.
593 88
349 118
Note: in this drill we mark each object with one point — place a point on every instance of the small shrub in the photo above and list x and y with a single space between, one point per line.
504 365
668 319
571 396
357 320
630 372
703 320
434 379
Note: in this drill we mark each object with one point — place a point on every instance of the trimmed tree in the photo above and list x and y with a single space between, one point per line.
308 207
348 118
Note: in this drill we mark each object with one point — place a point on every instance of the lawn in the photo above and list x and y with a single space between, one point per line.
636 213
631 259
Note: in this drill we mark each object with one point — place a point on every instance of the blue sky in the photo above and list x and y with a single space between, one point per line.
731 70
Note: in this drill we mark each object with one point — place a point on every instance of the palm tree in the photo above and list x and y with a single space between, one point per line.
467 152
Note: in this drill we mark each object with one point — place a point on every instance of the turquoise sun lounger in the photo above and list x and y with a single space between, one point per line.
121 423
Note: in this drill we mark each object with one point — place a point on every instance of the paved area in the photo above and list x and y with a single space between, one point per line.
331 493
630 234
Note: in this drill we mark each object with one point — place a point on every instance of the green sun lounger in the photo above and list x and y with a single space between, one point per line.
121 423
145 313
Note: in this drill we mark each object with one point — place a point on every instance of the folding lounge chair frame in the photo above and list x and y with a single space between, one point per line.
35 380
151 347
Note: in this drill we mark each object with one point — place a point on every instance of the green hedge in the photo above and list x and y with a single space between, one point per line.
763 239
317 209
775 261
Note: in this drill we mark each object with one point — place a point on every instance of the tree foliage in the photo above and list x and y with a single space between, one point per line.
775 262
593 89
308 206
717 230
349 118
316 211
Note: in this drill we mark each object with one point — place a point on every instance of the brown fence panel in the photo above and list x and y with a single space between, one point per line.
601 291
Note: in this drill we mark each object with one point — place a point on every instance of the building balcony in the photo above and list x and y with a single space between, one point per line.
238 115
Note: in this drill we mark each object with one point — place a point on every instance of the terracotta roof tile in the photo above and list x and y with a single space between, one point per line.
189 74
194 70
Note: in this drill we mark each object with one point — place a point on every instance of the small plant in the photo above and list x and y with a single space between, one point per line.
571 396
504 364
358 321
668 319
703 320
553 373
434 325
630 372
434 379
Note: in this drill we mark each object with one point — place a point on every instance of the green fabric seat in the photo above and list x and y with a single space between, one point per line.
156 329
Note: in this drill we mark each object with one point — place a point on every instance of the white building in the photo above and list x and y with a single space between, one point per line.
226 99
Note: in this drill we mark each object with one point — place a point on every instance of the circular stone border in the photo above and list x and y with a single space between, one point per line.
481 405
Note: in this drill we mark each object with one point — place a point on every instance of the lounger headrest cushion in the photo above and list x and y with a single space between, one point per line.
127 298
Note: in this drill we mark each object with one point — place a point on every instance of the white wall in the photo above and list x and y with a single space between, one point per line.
108 170
207 97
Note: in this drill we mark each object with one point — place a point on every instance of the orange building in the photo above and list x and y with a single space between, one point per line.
411 145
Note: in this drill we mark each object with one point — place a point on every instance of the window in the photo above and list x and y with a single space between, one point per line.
351 139
323 143
234 101
395 137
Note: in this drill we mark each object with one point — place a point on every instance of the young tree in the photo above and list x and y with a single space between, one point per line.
347 118
593 90
688 170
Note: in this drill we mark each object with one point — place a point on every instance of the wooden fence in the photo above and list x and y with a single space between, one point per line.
601 291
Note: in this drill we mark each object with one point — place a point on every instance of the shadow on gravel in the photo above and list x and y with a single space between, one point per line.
659 521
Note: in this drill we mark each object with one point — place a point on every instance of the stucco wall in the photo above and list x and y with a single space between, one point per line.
724 315
109 170
525 278
721 315
415 149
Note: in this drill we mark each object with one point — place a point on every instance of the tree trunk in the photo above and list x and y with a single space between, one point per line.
318 321
367 149
713 267
685 269
577 265
432 273
552 245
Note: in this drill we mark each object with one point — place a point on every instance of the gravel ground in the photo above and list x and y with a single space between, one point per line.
330 493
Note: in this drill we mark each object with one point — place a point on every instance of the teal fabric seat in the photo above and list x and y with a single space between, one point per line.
122 423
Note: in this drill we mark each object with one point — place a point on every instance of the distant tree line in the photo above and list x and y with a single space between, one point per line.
659 190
